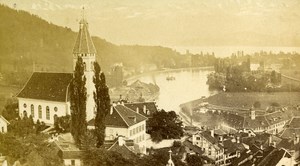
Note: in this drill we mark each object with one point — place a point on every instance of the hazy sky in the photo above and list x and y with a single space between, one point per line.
177 22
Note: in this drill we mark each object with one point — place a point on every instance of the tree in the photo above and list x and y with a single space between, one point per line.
102 100
257 104
165 125
62 124
194 160
78 96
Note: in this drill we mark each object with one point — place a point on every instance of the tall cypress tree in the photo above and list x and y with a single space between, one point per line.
78 96
102 100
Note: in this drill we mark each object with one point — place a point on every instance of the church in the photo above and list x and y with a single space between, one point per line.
45 95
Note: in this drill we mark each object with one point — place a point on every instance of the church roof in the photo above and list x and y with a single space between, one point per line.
84 43
47 86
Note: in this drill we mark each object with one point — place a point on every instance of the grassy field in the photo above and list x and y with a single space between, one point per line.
7 92
246 99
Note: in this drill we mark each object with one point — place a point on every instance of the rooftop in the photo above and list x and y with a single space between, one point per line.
84 43
47 86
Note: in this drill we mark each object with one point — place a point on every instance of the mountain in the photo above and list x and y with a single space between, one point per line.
27 41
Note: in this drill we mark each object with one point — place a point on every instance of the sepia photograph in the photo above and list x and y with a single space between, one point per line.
149 82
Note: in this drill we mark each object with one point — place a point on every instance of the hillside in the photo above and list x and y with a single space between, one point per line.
28 39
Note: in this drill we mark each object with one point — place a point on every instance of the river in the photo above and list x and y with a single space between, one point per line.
189 84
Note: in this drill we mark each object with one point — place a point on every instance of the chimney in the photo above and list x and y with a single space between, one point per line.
121 141
137 110
111 109
212 133
122 103
144 109
120 98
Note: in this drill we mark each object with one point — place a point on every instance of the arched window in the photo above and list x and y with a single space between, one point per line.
55 109
40 112
32 110
47 113
24 105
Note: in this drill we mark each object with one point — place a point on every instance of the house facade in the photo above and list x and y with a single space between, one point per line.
3 124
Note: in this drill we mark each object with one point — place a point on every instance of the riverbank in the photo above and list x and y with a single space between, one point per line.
134 77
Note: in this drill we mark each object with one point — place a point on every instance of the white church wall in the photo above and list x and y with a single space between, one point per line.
55 108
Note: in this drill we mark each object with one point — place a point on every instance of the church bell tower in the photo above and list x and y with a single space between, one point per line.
84 48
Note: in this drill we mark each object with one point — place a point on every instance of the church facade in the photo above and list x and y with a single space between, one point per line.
45 95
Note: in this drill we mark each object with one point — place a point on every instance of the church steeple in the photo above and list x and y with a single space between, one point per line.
84 43
84 48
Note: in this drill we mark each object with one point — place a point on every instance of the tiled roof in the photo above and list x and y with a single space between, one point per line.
233 120
124 150
194 148
4 119
295 123
273 156
277 117
232 147
208 137
150 106
84 43
259 121
47 86
290 133
129 116
121 116
288 144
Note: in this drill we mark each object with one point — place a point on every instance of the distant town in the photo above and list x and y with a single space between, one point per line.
87 102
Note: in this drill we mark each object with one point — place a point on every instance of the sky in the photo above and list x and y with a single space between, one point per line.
177 22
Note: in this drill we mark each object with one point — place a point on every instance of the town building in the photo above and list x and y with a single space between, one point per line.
270 156
216 145
123 121
45 95
272 122
3 124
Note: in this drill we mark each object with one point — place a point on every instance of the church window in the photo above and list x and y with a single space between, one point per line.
32 110
55 109
24 105
40 111
47 113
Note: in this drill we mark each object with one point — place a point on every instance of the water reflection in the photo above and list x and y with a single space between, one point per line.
189 84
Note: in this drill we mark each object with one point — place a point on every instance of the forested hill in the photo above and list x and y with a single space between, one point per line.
26 39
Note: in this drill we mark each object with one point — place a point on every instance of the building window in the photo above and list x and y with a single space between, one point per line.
84 65
55 109
40 111
32 110
72 162
47 113
24 105
130 132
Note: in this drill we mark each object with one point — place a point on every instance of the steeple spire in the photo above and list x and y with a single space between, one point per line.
170 162
84 43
